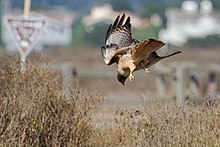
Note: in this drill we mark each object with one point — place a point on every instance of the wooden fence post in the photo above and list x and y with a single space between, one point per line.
161 85
68 72
195 87
180 84
212 86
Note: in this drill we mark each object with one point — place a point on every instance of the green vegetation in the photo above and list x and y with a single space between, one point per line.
152 7
151 31
206 42
216 4
96 36
78 35
121 5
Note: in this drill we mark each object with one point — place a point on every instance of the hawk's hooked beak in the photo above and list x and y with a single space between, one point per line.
121 78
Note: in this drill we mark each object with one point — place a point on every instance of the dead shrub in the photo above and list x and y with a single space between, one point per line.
165 125
34 111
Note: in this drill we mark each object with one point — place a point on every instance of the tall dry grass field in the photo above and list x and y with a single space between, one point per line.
165 125
35 112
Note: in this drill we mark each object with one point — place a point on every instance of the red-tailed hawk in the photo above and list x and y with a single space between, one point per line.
127 52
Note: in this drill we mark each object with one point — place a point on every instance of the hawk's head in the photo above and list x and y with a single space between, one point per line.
121 78
123 74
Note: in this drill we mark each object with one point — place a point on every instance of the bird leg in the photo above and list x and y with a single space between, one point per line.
131 77
145 69
132 67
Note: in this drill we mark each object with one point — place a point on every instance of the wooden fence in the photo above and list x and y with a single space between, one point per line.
188 72
179 75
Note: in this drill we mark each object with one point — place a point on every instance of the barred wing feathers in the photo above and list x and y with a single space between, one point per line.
119 33
118 39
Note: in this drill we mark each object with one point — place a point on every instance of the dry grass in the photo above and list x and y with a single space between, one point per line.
165 125
35 112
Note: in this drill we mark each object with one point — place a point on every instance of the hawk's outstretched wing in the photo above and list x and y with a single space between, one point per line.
118 39
145 52
142 50
119 33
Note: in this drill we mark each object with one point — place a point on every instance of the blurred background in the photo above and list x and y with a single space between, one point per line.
76 31
83 23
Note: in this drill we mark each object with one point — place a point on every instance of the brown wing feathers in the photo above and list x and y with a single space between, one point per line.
145 48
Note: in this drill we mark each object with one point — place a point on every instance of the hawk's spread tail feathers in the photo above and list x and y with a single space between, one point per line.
154 58
172 54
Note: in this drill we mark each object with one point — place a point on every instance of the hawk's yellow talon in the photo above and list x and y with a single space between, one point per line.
131 77
147 70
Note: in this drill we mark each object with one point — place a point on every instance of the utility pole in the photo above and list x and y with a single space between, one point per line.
6 8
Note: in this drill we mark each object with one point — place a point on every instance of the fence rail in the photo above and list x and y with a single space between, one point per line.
190 71
179 74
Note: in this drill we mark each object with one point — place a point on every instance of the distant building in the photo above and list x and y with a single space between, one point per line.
191 21
57 33
105 13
